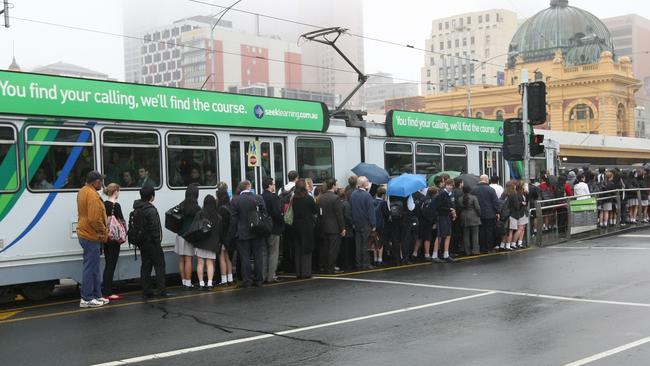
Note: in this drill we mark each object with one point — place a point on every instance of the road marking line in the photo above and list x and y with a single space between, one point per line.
115 305
634 236
608 353
8 314
504 292
157 356
604 248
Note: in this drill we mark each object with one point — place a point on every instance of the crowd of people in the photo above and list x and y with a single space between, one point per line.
334 228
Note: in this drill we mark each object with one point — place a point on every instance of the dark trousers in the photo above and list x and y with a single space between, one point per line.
245 249
399 240
486 234
330 245
346 253
286 244
111 255
302 261
361 255
152 256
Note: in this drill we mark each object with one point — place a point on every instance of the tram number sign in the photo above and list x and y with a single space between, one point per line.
253 156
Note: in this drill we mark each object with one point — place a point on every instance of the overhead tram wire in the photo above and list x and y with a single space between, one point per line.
384 41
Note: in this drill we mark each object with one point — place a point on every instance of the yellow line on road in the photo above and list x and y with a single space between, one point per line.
115 305
8 314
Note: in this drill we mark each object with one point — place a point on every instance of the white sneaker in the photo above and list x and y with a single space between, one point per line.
104 300
94 303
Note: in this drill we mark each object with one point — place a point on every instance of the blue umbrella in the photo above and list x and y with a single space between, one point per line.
374 173
405 185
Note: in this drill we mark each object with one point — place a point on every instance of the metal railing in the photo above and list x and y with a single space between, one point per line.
558 220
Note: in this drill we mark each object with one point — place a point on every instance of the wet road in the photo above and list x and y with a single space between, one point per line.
577 303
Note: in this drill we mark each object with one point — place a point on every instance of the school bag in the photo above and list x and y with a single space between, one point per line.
200 228
428 210
396 210
174 219
136 233
379 216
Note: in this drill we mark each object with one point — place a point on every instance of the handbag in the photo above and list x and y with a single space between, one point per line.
116 229
200 229
260 222
174 219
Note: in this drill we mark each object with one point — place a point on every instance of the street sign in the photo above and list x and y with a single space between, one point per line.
253 157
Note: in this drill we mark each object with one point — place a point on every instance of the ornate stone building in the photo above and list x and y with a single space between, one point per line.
589 88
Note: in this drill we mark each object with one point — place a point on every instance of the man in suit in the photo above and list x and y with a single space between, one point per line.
247 241
271 250
331 224
364 221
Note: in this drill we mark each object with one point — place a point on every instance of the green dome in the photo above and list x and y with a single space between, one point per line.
580 35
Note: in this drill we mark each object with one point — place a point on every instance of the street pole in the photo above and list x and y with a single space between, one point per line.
525 124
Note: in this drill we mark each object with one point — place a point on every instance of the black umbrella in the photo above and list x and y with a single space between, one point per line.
374 173
470 180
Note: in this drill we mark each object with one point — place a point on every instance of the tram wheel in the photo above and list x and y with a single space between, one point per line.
37 291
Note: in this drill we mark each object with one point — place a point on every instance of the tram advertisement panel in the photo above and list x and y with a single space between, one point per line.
440 126
46 95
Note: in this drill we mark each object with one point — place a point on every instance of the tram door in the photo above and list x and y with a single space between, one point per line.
491 162
271 161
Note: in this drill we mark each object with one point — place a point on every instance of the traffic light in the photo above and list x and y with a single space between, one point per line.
536 147
513 139
537 103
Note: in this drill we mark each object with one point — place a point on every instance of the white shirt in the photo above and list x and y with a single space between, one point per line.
580 189
497 188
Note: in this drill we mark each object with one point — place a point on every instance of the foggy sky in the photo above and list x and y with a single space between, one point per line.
405 21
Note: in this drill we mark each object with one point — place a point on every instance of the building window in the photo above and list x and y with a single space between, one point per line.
453 23
581 112
487 52
449 44
446 25
480 19
428 159
428 72
499 19
8 159
487 39
472 40
487 18
464 41
499 115
314 159
152 47
191 158
131 158
61 156
432 61
621 120
439 26
398 158
456 43
442 46
175 32
156 57
469 20
520 113
479 114
429 86
156 36
539 76
455 158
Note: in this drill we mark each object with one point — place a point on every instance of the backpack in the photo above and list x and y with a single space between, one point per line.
116 229
396 210
174 219
285 199
379 216
428 210
504 211
136 233
559 191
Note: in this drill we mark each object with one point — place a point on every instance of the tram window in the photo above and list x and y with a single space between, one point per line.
456 158
428 159
278 161
235 164
8 160
314 159
191 159
131 158
58 158
398 158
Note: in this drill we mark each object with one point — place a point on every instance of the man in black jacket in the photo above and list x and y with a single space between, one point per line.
332 225
487 199
150 249
243 207
272 248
